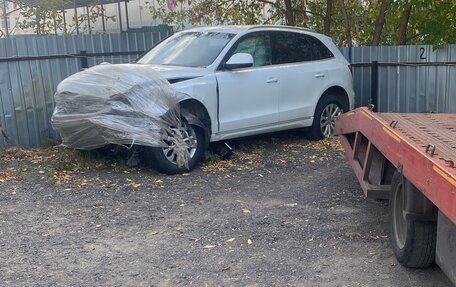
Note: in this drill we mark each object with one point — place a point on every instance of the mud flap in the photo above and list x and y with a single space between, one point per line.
446 246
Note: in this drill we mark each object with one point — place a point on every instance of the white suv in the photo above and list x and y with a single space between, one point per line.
246 80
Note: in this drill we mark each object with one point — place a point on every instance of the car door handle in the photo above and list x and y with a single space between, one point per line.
319 75
272 80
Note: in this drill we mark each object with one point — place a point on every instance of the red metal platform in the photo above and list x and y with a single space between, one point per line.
424 145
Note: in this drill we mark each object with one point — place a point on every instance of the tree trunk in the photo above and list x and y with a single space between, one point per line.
305 17
38 25
346 23
402 31
289 17
379 23
328 17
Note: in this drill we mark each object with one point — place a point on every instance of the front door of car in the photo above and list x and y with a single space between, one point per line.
248 97
303 74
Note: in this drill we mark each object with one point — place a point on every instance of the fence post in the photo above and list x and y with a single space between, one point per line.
374 84
84 59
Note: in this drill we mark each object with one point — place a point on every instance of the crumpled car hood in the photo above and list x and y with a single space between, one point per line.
176 73
116 104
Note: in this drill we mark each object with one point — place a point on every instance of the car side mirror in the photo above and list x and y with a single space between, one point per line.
239 61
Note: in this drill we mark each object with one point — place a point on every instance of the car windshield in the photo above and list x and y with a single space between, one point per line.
191 49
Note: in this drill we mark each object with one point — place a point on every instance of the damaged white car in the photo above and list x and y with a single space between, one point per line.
221 83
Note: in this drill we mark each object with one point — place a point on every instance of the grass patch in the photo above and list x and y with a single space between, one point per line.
211 157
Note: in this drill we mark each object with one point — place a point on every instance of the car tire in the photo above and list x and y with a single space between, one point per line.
413 241
327 108
160 158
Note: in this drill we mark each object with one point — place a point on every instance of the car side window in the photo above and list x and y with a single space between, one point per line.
290 47
318 49
256 44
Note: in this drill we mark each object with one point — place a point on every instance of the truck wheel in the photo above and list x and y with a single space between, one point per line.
413 241
328 108
164 159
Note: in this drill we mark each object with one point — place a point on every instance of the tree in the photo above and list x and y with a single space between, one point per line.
403 24
380 22
347 25
432 22
46 17
289 17
328 17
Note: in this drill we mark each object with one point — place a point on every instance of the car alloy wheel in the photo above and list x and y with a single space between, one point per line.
328 118
188 135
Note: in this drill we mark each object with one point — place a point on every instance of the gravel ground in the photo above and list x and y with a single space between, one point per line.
281 212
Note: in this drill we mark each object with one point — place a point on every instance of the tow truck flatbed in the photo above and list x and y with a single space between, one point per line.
419 150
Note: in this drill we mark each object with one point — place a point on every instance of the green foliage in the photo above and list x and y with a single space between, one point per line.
211 157
434 22
430 22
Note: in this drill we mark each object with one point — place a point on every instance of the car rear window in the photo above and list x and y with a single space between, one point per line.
290 47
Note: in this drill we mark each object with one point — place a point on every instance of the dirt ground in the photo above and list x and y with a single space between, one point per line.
283 211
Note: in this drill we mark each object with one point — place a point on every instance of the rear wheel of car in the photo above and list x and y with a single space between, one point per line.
166 159
328 108
413 240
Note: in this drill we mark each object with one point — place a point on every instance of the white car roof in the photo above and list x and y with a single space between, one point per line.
225 29
243 28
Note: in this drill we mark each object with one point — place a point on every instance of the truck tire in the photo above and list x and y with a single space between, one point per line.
413 241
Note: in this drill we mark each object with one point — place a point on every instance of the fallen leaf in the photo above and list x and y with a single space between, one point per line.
135 185
44 234
209 246
98 225
231 239
154 232
249 241
312 238
159 182
179 229
372 253
370 237
194 239
355 236
226 268
245 210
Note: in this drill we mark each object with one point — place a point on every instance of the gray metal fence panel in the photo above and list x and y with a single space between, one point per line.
27 86
410 78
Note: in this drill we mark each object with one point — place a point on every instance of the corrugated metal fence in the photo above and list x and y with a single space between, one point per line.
32 67
405 79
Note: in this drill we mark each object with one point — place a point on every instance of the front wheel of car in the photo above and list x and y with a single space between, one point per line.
326 112
166 159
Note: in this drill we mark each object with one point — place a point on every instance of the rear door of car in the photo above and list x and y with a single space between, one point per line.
248 97
305 65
